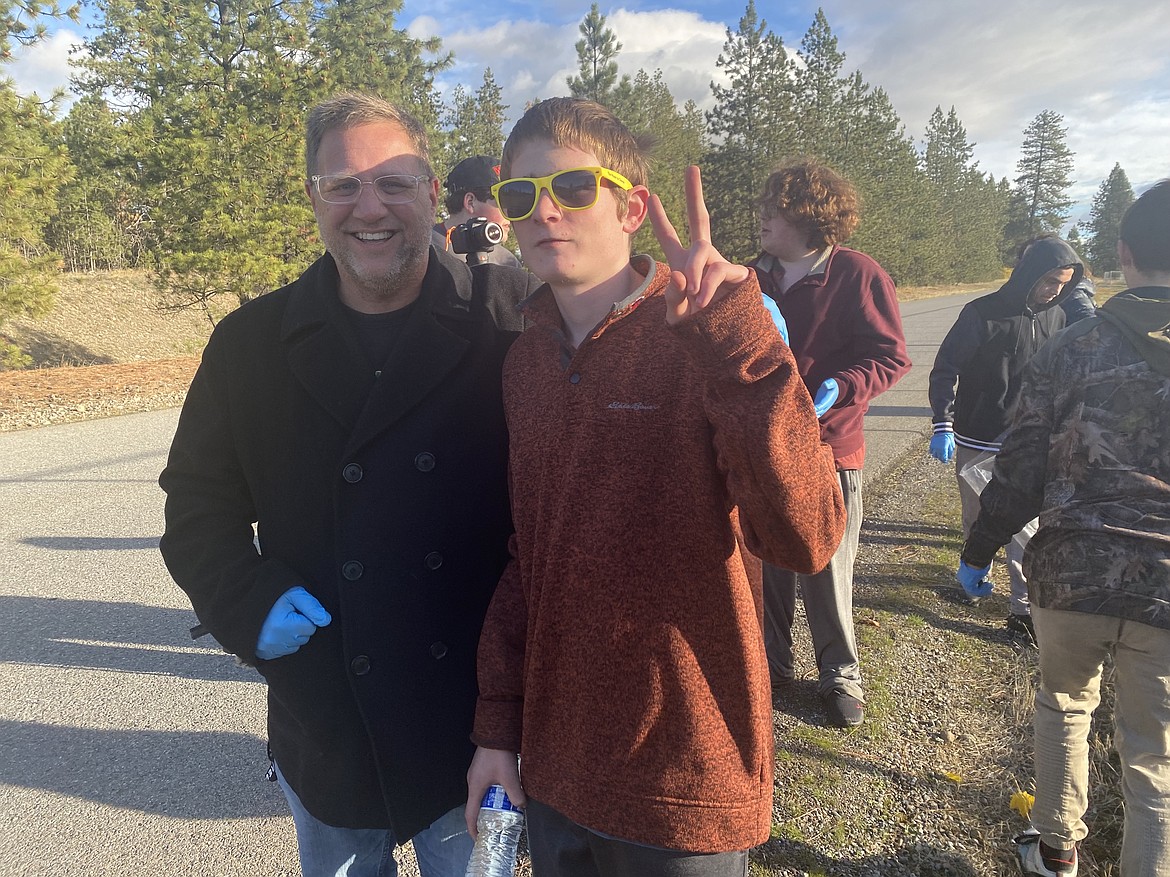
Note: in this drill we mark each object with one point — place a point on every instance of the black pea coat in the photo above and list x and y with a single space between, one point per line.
385 497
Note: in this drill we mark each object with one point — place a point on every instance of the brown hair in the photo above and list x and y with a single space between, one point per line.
353 109
585 125
815 199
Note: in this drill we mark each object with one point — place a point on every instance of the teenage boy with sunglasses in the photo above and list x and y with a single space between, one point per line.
657 425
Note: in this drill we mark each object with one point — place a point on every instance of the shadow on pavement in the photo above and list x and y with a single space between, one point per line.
139 769
126 637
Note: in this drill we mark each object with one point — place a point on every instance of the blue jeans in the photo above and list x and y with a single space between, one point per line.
442 850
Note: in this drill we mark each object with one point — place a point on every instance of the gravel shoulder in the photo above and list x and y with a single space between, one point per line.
924 786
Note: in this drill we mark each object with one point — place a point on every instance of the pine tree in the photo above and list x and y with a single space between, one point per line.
1041 201
33 166
212 100
597 77
968 222
753 124
475 124
23 22
1109 205
677 140
100 223
854 128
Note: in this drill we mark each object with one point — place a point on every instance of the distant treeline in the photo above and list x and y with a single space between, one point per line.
182 151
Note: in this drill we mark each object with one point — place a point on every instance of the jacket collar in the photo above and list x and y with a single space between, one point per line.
1142 315
328 366
541 306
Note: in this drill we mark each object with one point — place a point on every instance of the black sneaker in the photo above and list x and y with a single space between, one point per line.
843 710
1021 629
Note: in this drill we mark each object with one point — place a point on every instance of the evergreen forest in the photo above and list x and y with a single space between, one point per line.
181 152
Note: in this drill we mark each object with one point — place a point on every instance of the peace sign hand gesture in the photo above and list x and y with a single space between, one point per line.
699 273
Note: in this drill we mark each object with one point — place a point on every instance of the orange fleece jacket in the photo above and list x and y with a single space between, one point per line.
622 654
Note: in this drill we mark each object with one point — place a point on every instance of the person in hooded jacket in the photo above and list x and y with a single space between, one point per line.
1088 454
977 375
1078 303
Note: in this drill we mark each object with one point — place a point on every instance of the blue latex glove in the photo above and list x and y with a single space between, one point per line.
294 618
777 317
827 394
942 446
974 581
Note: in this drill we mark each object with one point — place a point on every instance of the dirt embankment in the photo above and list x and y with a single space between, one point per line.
108 348
105 348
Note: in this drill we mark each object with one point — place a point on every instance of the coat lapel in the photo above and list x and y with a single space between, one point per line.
432 344
318 354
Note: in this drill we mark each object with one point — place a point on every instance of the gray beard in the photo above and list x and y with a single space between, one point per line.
387 287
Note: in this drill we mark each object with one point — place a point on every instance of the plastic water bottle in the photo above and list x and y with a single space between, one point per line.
499 825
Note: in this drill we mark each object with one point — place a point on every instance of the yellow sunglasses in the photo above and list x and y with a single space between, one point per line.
573 189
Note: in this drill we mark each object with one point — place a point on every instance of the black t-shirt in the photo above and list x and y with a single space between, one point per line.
377 334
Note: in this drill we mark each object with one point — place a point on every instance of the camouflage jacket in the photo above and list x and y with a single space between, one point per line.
1089 451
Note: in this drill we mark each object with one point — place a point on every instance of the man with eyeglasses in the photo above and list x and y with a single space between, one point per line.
469 195
355 418
657 424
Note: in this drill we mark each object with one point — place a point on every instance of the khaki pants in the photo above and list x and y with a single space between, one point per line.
1073 648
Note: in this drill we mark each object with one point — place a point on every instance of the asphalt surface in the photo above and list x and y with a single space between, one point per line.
126 747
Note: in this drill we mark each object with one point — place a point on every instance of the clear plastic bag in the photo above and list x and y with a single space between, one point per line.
977 474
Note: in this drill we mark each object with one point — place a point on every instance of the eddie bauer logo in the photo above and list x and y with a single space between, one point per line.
633 406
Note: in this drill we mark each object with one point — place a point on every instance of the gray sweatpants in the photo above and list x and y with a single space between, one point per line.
828 603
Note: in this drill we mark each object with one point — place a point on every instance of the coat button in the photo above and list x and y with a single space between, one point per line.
575 378
425 461
352 570
438 651
352 473
434 560
360 665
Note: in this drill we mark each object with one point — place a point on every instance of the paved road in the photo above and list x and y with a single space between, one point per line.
124 746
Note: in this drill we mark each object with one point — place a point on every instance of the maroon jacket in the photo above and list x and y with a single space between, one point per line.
622 654
843 323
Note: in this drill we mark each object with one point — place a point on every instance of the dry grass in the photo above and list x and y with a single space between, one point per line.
107 317
106 347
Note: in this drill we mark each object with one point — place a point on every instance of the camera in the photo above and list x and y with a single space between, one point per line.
476 237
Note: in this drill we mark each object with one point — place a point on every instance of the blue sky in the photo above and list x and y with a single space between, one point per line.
1104 67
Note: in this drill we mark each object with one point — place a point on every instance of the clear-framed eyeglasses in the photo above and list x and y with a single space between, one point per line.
346 189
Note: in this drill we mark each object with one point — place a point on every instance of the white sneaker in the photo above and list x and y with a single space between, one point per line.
1032 861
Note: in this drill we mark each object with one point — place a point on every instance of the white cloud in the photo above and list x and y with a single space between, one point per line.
531 58
1001 62
44 66
998 62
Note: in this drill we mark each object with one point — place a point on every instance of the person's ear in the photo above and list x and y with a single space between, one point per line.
637 207
1124 256
469 203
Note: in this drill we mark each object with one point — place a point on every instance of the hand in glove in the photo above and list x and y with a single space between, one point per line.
777 317
974 581
827 394
294 618
942 446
